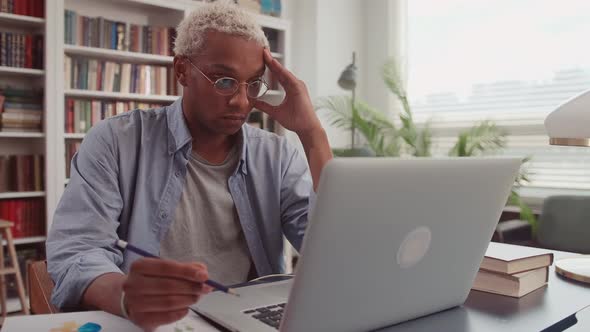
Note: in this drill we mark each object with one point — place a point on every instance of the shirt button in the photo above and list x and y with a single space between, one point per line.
164 215
177 174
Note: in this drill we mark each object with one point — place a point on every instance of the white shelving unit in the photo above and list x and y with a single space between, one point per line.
21 71
74 136
29 142
118 95
22 78
114 55
21 135
22 194
52 141
27 240
20 21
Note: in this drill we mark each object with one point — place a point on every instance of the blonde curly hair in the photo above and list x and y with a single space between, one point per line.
223 16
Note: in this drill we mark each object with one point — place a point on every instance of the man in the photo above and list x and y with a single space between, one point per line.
189 182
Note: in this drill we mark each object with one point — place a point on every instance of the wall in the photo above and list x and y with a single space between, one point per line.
324 35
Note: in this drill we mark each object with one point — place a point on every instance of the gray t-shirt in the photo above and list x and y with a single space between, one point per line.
206 227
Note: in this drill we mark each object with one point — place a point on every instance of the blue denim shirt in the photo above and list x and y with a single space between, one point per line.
127 179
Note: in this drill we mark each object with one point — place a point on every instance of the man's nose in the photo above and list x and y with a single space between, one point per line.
240 98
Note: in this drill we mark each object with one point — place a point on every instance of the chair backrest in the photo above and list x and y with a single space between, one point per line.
40 288
564 224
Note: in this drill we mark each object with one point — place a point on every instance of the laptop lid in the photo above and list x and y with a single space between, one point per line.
390 240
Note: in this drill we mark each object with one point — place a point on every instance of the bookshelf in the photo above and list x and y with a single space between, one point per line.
26 73
52 140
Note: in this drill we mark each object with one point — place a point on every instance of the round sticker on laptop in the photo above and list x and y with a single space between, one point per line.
414 246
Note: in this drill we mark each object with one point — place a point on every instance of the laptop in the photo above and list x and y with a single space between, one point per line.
388 240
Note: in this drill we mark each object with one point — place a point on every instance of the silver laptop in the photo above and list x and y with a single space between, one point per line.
388 240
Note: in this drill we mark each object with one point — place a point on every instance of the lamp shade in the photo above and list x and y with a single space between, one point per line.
569 124
347 79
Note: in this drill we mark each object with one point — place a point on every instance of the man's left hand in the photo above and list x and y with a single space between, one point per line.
296 112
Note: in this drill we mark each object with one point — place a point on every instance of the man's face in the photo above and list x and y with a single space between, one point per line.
223 55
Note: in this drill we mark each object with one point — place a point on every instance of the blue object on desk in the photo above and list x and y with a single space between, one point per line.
90 327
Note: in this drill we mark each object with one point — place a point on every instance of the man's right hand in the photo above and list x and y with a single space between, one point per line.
159 291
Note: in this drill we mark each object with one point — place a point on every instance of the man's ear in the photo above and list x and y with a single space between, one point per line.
181 70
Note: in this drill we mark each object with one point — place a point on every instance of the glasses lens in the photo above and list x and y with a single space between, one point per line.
257 89
226 85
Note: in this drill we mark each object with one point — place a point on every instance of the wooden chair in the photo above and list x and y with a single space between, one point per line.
40 288
6 233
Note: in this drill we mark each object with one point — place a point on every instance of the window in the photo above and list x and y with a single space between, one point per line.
509 61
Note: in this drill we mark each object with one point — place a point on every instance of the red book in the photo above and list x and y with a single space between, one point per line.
14 218
39 8
99 75
17 7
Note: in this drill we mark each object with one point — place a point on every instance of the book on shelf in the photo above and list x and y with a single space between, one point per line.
21 110
21 50
27 215
251 5
271 7
273 38
71 149
21 173
109 76
122 36
82 114
506 260
35 8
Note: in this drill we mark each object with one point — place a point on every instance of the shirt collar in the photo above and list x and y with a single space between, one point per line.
179 135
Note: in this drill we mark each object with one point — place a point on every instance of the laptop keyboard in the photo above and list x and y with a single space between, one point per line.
270 315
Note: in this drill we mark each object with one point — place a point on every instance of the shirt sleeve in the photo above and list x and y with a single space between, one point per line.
297 196
81 242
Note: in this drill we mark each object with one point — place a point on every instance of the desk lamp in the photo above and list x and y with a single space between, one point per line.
569 125
347 81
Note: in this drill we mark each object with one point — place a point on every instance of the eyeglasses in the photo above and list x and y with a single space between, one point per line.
228 86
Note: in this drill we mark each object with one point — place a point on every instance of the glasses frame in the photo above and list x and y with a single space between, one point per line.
219 92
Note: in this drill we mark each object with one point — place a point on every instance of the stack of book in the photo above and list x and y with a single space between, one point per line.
108 76
21 50
21 173
28 216
100 32
81 115
23 7
514 274
21 110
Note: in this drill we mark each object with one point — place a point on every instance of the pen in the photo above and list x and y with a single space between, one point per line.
126 246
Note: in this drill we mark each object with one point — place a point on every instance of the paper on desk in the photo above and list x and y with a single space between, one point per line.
191 323
88 321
